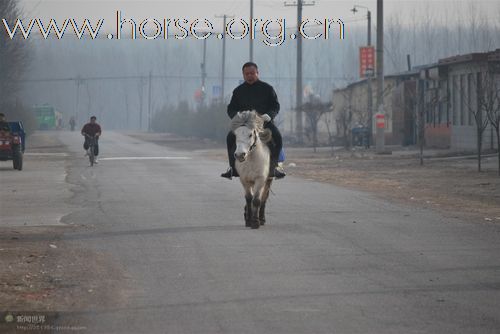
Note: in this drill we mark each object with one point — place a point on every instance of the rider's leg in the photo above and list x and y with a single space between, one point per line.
231 148
275 147
86 146
96 147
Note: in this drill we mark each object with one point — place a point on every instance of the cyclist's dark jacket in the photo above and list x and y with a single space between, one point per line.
259 96
91 129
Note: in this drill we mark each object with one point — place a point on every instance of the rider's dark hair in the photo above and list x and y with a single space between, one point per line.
93 117
249 64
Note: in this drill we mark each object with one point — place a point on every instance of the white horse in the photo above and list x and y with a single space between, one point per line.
252 163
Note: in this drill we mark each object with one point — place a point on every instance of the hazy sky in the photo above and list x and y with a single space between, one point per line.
190 9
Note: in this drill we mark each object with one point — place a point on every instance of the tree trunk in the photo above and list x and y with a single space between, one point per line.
421 135
479 147
421 155
497 130
315 135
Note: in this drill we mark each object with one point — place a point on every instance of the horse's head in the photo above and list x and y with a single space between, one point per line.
247 126
246 141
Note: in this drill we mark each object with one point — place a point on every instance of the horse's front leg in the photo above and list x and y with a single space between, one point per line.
256 202
265 196
248 207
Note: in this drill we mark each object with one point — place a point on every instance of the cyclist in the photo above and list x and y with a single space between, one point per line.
89 130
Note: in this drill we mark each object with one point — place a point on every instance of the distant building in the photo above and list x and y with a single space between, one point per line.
444 93
449 93
351 108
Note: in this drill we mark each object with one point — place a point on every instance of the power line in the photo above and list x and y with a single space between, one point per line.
146 76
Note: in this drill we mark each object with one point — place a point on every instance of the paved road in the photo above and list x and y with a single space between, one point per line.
330 260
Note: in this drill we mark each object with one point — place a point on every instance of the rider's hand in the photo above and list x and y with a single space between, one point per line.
266 118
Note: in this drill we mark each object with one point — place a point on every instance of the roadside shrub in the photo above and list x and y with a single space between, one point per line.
18 112
209 122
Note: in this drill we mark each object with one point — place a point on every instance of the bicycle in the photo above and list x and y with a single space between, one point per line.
91 149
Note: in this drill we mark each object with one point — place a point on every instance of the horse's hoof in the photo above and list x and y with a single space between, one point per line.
262 222
255 224
248 224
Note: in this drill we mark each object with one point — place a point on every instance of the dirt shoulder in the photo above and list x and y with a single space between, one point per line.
450 184
42 273
445 182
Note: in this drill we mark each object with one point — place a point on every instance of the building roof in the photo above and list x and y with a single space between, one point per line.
493 56
471 57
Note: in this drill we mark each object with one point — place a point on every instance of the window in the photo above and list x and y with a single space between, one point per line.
456 101
463 108
468 101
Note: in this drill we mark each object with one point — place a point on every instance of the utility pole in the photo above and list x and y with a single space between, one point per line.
251 28
369 90
223 37
78 82
149 101
369 85
204 72
298 92
380 74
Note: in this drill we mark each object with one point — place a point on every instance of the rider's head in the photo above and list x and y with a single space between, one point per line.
2 116
92 119
250 73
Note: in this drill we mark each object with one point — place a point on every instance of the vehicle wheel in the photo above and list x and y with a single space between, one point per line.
17 160
20 165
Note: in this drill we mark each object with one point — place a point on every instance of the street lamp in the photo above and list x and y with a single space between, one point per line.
369 17
368 75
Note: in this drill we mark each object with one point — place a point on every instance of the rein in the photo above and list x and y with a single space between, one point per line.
254 145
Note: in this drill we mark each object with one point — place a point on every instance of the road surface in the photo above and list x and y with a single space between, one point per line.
329 260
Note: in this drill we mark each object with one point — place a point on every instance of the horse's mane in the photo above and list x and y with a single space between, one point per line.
248 118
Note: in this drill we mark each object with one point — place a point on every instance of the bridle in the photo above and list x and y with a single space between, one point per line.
254 145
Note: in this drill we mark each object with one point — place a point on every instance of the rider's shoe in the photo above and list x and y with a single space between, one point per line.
279 173
230 173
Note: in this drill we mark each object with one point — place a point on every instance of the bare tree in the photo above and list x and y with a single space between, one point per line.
428 29
473 26
478 109
428 108
394 32
314 109
345 116
329 130
490 103
14 56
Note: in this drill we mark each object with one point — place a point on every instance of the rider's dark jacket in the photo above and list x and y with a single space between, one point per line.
259 96
91 129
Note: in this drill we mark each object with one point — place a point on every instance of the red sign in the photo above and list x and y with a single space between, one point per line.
380 121
366 61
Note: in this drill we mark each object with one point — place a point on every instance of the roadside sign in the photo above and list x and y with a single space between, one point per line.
366 61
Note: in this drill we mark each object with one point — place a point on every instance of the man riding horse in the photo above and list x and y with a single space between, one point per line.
256 95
